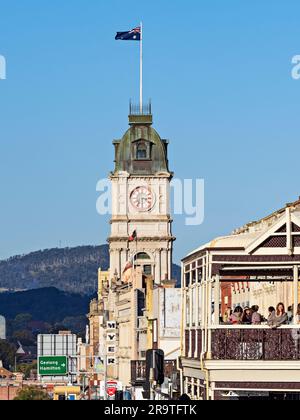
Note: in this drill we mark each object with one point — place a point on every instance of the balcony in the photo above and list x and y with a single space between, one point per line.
255 343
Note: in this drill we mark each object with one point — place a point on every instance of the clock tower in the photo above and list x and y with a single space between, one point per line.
141 224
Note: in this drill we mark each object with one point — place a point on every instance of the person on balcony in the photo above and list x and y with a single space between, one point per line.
297 319
236 317
290 313
279 317
227 315
272 313
298 315
247 316
256 316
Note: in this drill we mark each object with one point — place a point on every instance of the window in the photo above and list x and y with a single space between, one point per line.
142 256
148 270
187 280
141 151
194 276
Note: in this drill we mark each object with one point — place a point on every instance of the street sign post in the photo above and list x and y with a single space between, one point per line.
53 366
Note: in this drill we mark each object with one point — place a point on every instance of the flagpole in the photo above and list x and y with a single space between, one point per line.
141 70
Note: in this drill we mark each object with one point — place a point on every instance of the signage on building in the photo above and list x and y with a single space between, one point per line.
53 366
111 361
111 325
112 387
111 337
111 350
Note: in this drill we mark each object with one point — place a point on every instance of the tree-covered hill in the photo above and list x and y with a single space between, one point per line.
46 305
73 270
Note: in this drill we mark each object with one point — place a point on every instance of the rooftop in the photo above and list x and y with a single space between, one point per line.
249 233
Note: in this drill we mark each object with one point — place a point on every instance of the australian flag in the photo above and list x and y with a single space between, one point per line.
133 35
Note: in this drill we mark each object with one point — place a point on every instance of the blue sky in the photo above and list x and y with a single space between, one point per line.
218 73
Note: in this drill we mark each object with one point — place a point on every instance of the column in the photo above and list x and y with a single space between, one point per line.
123 254
183 312
203 305
115 262
197 309
209 317
217 300
198 389
157 278
296 297
289 231
120 262
186 385
190 321
197 316
169 264
159 265
192 391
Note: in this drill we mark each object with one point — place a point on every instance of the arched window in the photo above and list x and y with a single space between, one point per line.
141 151
142 256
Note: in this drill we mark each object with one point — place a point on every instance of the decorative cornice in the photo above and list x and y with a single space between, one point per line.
144 239
158 219
125 175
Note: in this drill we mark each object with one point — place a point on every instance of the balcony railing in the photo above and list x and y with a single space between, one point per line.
256 343
135 109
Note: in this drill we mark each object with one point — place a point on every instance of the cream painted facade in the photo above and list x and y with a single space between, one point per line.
167 311
261 261
145 316
138 307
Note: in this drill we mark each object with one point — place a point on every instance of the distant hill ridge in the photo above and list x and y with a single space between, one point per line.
73 270
46 304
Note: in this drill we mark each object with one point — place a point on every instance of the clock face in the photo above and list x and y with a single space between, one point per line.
142 198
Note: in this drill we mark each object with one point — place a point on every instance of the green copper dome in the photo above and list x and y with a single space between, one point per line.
141 150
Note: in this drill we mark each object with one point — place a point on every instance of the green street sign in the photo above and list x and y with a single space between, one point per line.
53 366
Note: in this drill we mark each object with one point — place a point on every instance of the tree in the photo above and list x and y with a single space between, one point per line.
22 320
76 324
27 369
7 354
25 337
31 393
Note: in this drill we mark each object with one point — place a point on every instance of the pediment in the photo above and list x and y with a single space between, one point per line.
284 236
143 140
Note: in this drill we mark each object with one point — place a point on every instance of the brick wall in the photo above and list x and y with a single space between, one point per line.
8 393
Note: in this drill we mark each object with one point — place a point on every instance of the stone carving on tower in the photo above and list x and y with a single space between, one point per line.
141 223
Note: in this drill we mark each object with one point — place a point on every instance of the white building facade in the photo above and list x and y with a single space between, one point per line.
141 202
257 265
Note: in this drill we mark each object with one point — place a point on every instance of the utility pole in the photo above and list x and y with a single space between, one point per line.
103 356
105 377
152 377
